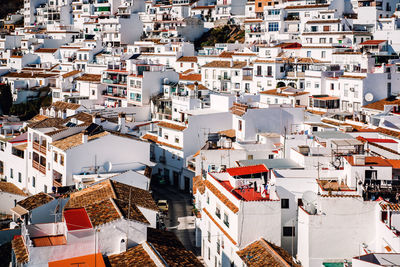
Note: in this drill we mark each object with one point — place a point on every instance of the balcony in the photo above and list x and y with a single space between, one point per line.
224 78
39 148
39 167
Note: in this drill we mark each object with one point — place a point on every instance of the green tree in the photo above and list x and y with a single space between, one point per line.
5 98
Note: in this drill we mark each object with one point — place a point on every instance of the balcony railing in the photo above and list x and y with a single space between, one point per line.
224 78
36 146
39 167
39 148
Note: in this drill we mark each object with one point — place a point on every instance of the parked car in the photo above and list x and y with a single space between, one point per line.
163 205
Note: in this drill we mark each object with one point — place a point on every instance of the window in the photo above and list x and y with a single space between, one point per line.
209 253
55 156
274 12
327 28
284 203
273 26
11 173
33 181
218 212
226 220
314 28
62 160
208 199
332 86
270 156
166 136
19 177
322 40
240 125
323 54
177 140
159 132
209 236
308 53
259 4
45 188
288 231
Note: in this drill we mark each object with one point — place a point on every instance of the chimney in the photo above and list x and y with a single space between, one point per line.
121 122
359 160
97 119
85 137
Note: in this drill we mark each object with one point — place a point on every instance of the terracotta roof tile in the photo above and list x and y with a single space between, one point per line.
283 93
75 140
60 105
35 201
172 126
370 161
20 250
225 64
135 256
102 212
190 77
89 78
221 196
226 54
372 42
263 253
71 73
171 249
199 87
46 50
11 188
187 59
112 189
380 105
154 139
198 184
27 75
231 133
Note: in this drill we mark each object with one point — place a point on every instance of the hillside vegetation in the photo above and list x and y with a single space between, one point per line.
9 6
224 34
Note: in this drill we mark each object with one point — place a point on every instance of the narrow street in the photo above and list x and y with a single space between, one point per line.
179 219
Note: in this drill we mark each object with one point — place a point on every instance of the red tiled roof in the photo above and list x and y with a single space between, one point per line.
77 219
171 126
187 59
380 140
190 77
221 196
395 163
246 170
46 50
372 42
87 260
246 194
370 161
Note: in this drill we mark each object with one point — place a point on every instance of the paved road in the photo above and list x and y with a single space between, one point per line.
179 219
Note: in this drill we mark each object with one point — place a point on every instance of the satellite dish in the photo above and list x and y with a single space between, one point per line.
369 97
107 166
309 198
